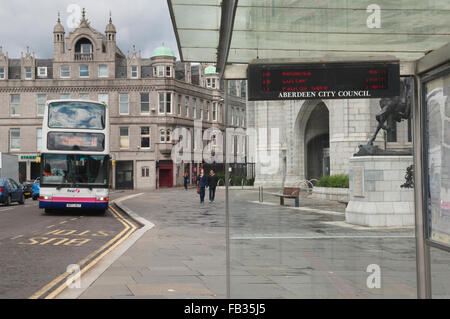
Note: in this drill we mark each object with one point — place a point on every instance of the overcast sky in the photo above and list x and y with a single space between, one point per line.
145 23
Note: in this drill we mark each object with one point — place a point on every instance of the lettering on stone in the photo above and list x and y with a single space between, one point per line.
357 185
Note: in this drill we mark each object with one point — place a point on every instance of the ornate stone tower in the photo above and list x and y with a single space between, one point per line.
58 39
110 33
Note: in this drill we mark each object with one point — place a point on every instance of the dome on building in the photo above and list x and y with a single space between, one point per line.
162 51
209 70
110 26
58 26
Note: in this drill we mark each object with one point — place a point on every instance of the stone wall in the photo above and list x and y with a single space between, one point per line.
331 193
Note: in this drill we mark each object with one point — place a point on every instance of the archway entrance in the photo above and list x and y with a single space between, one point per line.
317 142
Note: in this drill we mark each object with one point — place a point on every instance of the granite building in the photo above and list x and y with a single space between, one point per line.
148 99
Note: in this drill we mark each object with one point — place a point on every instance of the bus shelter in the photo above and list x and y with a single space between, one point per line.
239 34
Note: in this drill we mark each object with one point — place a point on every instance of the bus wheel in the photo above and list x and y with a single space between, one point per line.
48 210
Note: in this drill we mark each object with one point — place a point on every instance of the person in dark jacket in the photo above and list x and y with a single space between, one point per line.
202 183
212 183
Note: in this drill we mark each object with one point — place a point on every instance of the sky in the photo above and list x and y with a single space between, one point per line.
144 23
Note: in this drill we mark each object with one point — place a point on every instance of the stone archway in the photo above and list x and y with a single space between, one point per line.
312 139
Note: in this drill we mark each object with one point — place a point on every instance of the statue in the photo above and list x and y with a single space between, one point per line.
396 108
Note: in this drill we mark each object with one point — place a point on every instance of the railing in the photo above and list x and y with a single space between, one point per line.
84 56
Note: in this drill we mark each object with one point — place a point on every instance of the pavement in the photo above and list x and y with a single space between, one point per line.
276 252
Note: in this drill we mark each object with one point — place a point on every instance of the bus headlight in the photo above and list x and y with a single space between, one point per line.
46 197
100 198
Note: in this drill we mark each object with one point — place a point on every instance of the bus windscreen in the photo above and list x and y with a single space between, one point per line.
70 169
76 115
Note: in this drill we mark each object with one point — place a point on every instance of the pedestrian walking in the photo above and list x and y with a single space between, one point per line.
186 180
212 184
202 183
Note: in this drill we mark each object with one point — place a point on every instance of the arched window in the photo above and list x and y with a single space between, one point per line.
84 50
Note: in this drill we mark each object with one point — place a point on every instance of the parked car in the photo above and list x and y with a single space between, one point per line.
27 187
35 189
10 191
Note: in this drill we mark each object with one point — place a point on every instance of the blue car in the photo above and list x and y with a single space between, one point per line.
10 192
35 189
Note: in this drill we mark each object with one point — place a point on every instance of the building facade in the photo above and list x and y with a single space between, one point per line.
148 99
304 140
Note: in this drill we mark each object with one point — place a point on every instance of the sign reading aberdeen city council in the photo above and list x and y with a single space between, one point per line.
333 80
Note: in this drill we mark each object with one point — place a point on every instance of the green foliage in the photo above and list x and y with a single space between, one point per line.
338 181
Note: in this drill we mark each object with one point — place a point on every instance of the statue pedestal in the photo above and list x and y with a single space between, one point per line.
376 198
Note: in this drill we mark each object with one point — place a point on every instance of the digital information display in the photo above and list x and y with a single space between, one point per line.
71 141
335 80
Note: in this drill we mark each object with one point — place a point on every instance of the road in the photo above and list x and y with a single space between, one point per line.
38 249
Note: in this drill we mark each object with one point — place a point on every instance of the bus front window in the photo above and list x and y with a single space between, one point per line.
69 170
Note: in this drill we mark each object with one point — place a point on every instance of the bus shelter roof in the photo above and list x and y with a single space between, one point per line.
239 31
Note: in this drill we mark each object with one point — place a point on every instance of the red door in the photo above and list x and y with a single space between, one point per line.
165 176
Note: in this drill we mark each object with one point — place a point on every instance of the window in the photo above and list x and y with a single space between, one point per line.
145 171
168 71
134 72
103 97
179 105
213 83
28 73
168 135
15 104
84 96
186 106
207 110
64 96
214 111
86 48
124 138
162 135
232 116
194 107
14 139
145 103
39 139
123 103
42 71
41 99
160 70
201 109
165 103
76 114
208 82
145 137
2 73
84 71
103 71
65 71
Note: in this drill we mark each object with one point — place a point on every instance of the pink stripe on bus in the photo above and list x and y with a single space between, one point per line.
75 199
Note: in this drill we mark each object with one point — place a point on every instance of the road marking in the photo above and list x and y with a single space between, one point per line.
16 237
322 237
98 258
118 239
5 209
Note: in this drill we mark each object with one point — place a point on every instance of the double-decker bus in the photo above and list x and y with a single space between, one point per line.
75 161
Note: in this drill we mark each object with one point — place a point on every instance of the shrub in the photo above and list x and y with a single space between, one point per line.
338 181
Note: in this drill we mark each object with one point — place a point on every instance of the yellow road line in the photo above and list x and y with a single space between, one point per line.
54 282
96 260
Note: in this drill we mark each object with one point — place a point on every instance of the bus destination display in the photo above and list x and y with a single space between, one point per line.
72 141
323 81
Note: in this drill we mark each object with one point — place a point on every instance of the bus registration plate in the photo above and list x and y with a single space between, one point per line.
73 205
